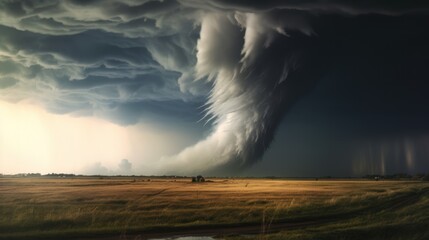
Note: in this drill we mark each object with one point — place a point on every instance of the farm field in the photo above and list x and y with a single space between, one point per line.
142 208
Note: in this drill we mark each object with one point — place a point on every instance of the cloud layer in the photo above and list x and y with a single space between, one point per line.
242 64
98 58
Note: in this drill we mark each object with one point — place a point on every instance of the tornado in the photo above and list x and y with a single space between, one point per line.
249 60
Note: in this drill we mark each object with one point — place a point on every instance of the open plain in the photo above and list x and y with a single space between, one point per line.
143 208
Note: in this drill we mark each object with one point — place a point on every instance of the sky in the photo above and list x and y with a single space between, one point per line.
227 88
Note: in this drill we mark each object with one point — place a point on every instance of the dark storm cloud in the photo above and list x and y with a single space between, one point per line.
85 59
377 66
251 62
131 18
380 70
368 113
324 7
165 112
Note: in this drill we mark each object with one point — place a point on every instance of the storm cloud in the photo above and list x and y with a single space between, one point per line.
239 67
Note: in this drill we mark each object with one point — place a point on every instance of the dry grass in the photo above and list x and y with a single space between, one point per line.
36 206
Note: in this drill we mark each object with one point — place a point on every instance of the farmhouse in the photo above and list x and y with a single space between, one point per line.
198 178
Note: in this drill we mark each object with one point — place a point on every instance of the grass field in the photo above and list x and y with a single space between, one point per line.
135 208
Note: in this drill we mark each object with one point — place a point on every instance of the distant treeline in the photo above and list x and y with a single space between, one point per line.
80 175
397 176
41 175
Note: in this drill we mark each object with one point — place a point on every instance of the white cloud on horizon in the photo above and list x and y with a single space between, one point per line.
33 140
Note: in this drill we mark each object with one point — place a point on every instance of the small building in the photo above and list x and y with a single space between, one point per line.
198 178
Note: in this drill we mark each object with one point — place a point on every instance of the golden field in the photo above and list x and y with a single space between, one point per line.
136 208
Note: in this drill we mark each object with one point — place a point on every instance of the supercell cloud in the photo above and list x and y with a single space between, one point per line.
240 67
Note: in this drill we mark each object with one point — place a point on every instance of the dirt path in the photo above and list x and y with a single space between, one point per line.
397 202
219 230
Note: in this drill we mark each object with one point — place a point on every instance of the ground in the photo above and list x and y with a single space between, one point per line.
141 208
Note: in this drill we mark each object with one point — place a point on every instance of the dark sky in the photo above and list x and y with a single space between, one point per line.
285 88
371 99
